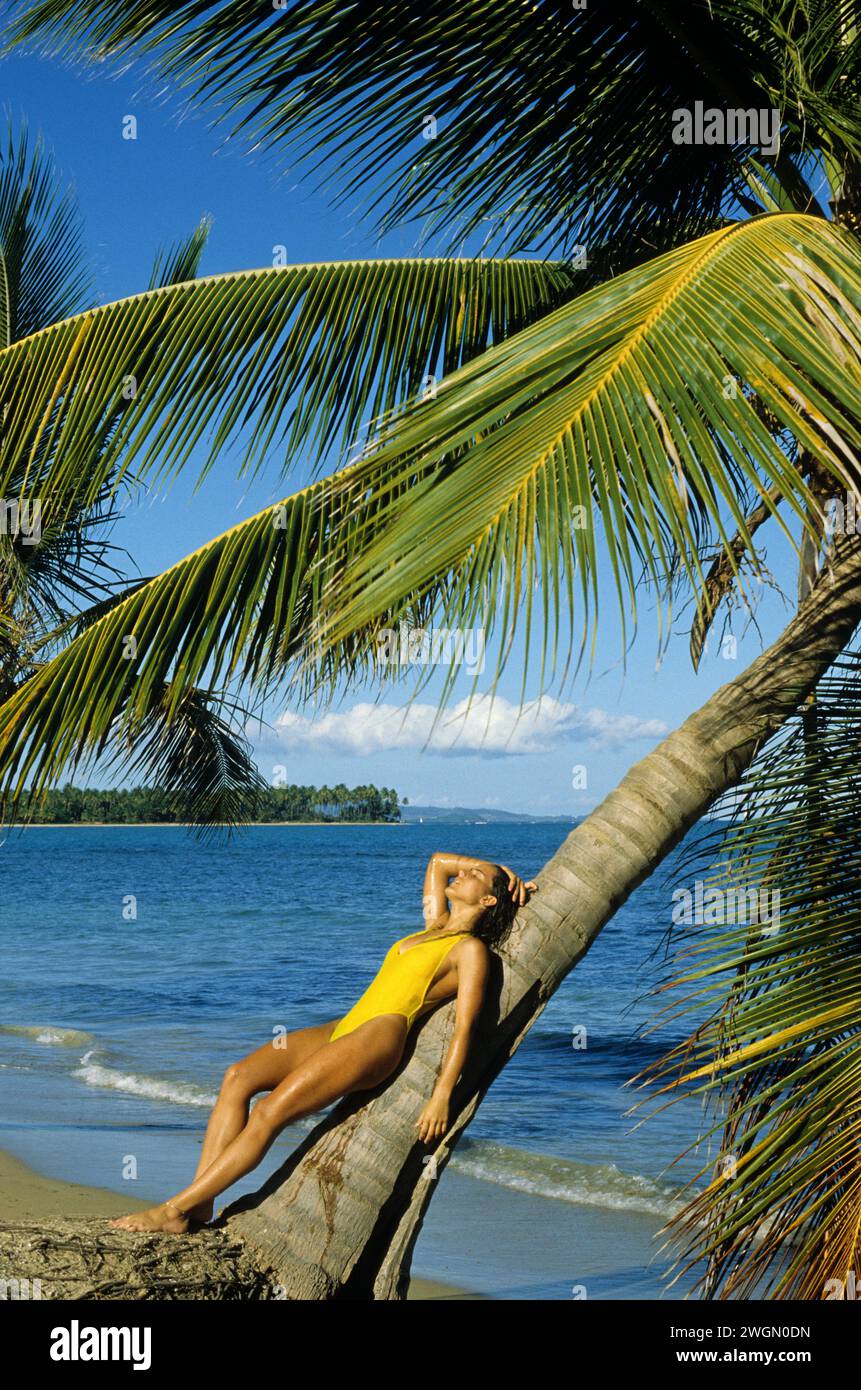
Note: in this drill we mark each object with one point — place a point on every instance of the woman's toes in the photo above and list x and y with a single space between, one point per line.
162 1218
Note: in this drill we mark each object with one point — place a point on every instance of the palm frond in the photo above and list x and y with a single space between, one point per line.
640 404
614 404
43 270
201 760
551 123
281 357
774 960
240 609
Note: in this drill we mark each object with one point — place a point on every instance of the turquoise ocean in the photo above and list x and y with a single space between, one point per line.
139 962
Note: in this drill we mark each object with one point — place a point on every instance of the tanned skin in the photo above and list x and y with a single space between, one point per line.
303 1072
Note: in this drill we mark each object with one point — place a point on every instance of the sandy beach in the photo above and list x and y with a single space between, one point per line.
26 1195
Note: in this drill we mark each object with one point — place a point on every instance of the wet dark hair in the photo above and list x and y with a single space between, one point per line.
495 922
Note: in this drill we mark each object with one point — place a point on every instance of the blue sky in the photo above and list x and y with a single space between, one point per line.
138 195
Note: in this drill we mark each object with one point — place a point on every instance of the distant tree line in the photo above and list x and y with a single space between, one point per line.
73 805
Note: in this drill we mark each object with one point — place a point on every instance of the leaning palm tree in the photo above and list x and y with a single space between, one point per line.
701 378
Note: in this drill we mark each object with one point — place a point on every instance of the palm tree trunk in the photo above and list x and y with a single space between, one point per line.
341 1216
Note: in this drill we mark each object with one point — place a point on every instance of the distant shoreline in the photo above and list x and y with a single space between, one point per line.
182 824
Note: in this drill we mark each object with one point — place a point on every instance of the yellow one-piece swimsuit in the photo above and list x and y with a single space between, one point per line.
401 983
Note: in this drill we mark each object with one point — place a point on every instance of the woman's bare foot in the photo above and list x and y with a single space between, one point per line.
161 1218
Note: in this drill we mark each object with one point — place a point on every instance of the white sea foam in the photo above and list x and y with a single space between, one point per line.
47 1034
94 1073
565 1180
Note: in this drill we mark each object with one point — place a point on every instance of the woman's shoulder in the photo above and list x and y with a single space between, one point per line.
471 945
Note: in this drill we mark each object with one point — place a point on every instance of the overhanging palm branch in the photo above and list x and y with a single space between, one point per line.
200 759
237 610
284 356
551 122
614 404
320 331
775 960
642 400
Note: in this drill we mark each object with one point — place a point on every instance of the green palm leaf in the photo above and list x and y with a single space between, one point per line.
641 403
199 759
240 609
286 356
614 402
777 969
43 273
552 122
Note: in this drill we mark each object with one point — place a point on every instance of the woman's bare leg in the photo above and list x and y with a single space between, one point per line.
261 1070
357 1061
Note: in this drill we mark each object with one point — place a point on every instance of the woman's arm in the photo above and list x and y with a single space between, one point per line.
472 969
442 867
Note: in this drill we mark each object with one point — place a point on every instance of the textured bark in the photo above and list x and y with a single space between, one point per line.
80 1258
340 1218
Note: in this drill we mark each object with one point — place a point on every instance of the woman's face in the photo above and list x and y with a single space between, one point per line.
472 884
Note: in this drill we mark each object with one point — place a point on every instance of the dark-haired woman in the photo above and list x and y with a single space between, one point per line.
469 905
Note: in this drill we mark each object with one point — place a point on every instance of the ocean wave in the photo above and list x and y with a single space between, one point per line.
94 1073
565 1180
48 1034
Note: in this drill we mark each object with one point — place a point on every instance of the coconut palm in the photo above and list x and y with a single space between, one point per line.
701 378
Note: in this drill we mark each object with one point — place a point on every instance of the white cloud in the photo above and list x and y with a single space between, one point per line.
489 727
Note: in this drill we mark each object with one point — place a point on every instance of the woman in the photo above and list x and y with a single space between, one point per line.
307 1070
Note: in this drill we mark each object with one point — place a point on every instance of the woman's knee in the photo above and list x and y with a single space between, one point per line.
266 1117
237 1080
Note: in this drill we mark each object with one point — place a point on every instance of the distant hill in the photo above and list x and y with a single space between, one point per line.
468 815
